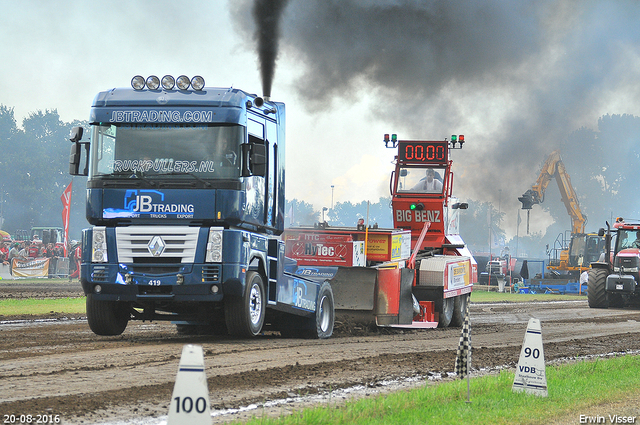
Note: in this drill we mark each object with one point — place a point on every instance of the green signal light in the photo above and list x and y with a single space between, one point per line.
412 207
454 138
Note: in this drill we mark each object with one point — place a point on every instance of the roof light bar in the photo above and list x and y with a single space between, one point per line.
168 82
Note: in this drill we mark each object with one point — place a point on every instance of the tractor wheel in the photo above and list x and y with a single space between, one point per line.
107 318
446 313
245 315
596 290
459 310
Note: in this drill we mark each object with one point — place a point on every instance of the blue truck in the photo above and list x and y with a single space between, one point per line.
185 195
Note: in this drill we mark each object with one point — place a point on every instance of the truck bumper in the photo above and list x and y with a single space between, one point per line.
195 282
621 283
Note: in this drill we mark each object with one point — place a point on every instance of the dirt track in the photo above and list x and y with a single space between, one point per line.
58 366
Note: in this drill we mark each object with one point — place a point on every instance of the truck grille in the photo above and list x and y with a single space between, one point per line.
133 243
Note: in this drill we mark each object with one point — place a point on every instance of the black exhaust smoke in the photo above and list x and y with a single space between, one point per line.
267 17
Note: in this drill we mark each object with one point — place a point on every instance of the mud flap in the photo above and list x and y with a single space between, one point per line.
354 288
395 303
373 296
354 294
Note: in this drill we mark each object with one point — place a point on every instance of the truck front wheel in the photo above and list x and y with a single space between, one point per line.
596 288
245 315
107 318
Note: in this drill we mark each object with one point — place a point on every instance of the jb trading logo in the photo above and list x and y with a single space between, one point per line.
152 202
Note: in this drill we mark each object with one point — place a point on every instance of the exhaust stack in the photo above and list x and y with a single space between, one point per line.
267 17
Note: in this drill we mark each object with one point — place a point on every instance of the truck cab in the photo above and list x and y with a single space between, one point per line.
185 193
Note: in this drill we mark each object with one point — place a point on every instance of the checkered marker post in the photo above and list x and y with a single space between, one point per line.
463 355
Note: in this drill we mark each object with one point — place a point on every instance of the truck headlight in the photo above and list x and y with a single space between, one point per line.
99 245
214 245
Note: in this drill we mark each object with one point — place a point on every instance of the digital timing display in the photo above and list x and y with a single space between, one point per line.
423 152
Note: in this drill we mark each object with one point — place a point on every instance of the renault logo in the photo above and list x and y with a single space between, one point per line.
156 246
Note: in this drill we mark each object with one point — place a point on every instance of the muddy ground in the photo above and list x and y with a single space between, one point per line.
56 365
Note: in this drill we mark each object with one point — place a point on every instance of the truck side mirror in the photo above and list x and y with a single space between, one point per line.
75 156
74 159
601 232
254 160
76 134
460 205
259 160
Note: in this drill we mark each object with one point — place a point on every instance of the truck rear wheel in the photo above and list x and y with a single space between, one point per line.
596 288
107 318
320 326
325 313
245 315
459 310
446 313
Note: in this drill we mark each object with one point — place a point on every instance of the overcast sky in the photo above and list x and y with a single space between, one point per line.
514 76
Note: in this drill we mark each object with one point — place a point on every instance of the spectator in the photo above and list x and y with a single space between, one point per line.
48 251
24 251
75 258
14 252
584 278
4 253
33 250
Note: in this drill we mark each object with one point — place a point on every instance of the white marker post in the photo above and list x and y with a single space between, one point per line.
190 399
530 372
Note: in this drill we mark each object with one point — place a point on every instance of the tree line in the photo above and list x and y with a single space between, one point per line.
34 161
603 165
34 174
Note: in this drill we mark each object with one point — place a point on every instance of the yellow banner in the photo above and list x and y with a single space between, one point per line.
36 267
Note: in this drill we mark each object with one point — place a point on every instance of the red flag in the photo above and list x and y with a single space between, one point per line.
66 207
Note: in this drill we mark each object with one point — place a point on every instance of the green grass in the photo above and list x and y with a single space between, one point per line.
573 390
480 296
11 307
37 307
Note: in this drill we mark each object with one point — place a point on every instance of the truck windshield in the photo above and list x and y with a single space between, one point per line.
420 180
179 151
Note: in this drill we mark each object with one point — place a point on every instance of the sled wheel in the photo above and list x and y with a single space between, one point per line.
446 313
459 310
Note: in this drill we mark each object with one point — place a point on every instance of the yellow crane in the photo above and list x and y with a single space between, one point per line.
583 248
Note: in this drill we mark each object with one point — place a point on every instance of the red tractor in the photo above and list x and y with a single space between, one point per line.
615 280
